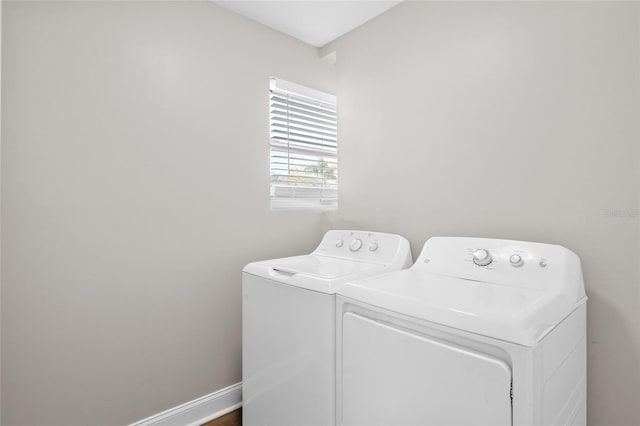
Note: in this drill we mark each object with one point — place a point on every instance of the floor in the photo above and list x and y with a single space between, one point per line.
234 418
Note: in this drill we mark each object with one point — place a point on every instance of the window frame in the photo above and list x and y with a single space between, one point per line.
310 151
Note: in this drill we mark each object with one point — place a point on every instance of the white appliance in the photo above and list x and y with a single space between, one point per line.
476 332
288 325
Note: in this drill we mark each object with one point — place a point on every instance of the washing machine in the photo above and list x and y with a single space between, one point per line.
288 325
476 332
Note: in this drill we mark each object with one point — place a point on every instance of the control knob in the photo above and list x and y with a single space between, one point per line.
482 257
355 244
516 260
339 243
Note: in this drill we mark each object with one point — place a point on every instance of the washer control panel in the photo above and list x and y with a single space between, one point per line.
366 246
514 263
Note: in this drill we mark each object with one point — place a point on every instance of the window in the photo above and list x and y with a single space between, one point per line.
304 147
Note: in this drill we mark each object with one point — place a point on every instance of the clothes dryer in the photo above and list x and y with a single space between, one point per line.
288 325
476 332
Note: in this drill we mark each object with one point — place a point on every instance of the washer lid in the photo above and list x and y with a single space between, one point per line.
342 256
322 267
314 272
518 315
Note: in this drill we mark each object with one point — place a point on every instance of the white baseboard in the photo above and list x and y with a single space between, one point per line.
198 411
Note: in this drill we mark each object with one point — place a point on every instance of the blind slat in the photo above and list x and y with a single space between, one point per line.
299 116
290 117
327 161
302 102
303 109
317 153
305 128
299 137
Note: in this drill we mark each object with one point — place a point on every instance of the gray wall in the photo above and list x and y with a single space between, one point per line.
135 185
513 120
1 3
124 229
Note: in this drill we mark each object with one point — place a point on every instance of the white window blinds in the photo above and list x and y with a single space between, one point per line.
304 147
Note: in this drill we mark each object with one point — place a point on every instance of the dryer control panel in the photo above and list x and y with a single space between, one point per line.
375 247
505 262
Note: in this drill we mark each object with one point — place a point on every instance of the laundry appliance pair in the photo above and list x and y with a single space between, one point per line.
476 332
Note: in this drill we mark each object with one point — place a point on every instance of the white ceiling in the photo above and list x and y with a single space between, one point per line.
312 21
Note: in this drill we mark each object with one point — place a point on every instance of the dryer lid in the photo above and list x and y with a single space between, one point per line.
515 303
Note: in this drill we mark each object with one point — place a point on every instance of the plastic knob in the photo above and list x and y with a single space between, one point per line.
516 260
373 246
339 243
482 257
355 244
